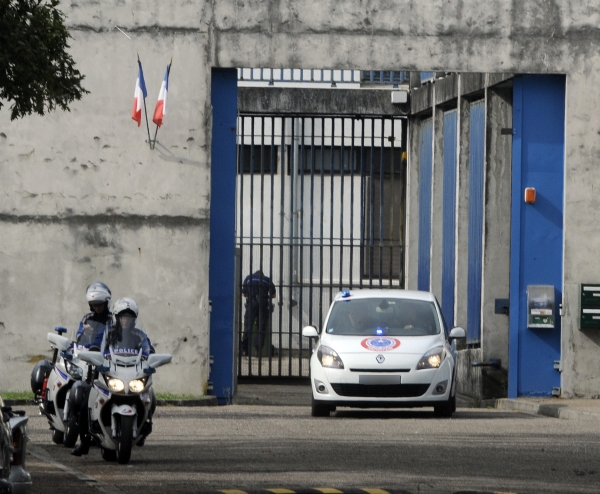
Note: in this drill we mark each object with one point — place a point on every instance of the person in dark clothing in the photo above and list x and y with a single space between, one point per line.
258 290
98 296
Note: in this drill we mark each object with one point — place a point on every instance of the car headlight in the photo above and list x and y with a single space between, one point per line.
137 385
432 359
329 358
115 384
74 371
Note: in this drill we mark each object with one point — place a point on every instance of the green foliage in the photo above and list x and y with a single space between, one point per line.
36 73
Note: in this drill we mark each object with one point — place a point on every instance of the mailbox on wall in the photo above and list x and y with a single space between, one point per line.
589 317
541 309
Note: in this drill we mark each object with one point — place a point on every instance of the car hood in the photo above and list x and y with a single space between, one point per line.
345 345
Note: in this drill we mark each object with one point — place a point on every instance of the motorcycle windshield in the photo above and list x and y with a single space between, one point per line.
91 330
127 342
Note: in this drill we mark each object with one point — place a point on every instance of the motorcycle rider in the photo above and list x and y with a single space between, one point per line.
98 297
125 315
123 337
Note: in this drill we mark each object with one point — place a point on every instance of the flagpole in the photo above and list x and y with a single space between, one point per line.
155 132
148 126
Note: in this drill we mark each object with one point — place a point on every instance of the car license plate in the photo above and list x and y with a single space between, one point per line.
379 379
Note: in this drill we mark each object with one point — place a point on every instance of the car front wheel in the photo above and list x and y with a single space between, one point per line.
446 408
320 408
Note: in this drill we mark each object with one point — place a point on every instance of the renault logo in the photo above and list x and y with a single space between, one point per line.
380 358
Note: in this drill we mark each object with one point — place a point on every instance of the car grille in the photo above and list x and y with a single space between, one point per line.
380 390
378 370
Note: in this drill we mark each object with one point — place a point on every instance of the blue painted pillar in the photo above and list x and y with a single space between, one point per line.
536 229
222 231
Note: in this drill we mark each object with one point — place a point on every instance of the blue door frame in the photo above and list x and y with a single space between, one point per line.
536 229
222 231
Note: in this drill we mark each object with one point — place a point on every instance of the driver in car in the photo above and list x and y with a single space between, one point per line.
358 320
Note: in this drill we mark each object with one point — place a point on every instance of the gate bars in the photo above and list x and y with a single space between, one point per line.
320 208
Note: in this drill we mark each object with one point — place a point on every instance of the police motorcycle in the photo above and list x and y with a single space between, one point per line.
52 382
14 479
121 399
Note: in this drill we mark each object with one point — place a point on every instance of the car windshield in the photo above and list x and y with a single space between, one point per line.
383 316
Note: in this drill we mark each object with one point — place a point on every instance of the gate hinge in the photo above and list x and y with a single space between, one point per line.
556 391
558 365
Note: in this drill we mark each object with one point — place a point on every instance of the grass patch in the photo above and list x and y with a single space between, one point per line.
17 395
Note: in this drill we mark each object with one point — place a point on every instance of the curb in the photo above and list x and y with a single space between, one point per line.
555 411
332 490
202 401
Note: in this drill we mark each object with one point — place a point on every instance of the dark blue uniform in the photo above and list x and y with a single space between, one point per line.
258 290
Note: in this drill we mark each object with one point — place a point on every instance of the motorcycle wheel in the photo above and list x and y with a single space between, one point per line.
108 454
57 436
71 430
124 438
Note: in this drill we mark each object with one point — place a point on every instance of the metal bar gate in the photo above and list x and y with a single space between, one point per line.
320 208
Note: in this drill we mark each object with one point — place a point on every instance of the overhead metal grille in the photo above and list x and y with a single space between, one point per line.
320 208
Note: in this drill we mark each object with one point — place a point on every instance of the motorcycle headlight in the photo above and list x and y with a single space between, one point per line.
74 371
115 384
137 385
432 359
329 358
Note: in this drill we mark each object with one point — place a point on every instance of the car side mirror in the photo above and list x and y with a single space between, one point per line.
456 333
310 332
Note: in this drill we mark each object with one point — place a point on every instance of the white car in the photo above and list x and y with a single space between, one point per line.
384 348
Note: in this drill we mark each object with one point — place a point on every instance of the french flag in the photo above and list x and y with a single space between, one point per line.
161 105
139 95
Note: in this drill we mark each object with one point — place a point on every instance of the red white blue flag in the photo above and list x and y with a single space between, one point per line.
139 95
161 105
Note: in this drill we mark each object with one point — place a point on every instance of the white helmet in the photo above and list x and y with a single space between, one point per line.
125 304
97 292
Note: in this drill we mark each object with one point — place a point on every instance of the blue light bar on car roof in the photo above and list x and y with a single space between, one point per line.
345 293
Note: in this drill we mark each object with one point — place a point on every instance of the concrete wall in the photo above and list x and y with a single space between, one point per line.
90 169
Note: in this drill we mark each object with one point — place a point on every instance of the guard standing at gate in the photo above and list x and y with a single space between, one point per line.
258 289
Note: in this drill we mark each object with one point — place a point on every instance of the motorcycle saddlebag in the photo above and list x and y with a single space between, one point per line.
40 372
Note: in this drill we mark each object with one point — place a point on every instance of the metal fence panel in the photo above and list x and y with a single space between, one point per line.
320 208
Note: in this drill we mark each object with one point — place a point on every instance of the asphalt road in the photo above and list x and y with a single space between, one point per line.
253 447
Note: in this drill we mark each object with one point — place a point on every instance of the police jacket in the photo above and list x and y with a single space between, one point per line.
258 288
